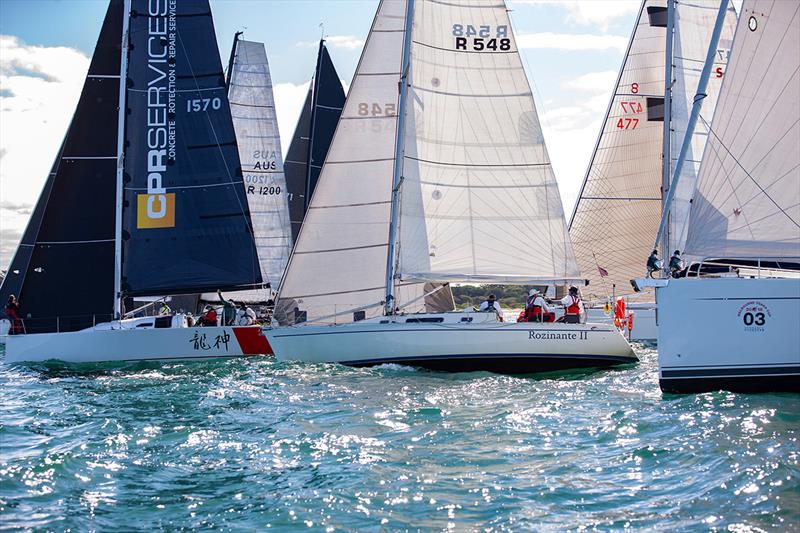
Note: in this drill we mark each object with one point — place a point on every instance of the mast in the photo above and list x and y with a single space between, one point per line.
398 159
667 154
696 105
314 91
123 78
233 57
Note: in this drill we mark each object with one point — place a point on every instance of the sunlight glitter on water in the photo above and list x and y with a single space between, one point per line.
251 443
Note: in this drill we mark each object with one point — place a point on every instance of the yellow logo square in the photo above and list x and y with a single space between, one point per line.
155 211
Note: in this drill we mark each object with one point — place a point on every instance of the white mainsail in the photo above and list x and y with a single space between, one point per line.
747 202
620 205
478 200
256 125
694 24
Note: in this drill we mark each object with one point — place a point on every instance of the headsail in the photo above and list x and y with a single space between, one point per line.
186 220
256 125
312 137
68 244
339 259
747 203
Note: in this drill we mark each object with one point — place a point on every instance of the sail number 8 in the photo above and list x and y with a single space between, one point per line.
483 38
202 104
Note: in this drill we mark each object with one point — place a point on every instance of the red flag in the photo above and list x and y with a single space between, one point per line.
603 271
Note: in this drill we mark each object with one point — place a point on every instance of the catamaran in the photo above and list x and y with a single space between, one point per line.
734 324
622 196
145 199
438 172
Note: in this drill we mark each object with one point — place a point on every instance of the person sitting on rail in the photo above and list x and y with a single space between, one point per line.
675 264
209 317
12 312
653 264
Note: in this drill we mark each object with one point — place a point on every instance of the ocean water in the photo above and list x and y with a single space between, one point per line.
253 444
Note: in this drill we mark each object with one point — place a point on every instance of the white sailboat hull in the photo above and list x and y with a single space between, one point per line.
456 346
96 346
729 333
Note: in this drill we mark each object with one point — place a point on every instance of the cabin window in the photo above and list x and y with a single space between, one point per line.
300 316
163 322
424 320
359 315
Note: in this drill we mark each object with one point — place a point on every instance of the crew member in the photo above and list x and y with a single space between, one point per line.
675 264
653 264
573 307
536 309
228 310
12 312
209 317
245 316
491 305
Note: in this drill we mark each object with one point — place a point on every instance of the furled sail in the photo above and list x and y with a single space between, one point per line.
694 24
478 199
312 137
186 219
68 244
747 202
256 126
620 204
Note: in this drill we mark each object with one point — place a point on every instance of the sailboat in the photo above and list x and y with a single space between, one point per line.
622 196
256 125
438 172
734 323
312 136
145 199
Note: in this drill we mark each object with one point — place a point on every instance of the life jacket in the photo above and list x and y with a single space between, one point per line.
575 307
532 310
490 308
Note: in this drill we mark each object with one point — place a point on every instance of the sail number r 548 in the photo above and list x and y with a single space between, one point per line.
484 38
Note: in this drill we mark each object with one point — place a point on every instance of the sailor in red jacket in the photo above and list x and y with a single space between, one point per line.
12 312
573 307
536 309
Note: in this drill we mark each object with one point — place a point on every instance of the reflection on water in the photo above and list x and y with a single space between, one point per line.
250 444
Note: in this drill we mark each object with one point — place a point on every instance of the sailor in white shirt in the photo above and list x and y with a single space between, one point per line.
573 307
491 304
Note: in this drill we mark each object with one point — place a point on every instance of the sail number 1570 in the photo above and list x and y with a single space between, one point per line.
482 38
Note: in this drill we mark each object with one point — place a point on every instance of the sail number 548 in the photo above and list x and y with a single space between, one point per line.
482 38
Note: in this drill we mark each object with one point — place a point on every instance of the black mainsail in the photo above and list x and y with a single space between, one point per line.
185 221
312 137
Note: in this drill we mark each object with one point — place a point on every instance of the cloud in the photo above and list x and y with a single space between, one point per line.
289 99
599 13
40 89
571 41
350 42
593 82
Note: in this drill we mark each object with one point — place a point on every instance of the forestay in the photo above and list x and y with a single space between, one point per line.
747 203
256 126
478 199
694 24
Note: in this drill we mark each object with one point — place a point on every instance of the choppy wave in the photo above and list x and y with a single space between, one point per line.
247 444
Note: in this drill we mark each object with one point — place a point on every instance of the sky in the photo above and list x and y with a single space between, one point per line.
572 51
